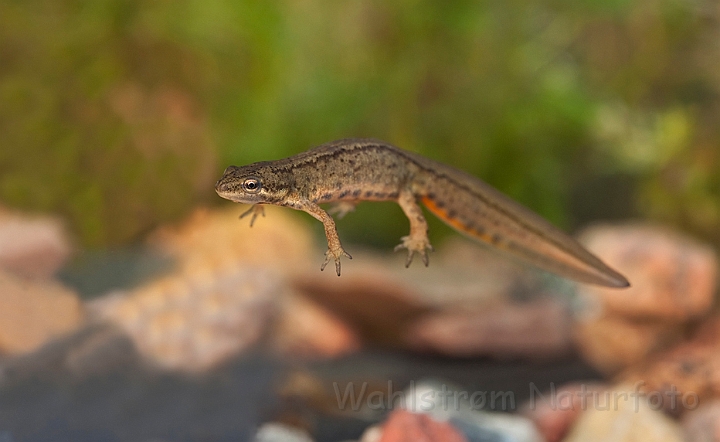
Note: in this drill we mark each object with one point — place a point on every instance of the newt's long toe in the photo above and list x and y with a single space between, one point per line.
335 255
413 246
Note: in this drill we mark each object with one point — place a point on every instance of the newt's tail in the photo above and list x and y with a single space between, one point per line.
474 208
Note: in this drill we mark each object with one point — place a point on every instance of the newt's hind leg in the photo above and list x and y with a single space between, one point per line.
342 208
417 241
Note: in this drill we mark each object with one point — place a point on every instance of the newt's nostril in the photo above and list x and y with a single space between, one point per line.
221 186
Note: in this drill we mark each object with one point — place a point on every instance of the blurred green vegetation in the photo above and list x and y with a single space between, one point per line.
120 115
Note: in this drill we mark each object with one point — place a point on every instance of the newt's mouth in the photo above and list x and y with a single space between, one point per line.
231 195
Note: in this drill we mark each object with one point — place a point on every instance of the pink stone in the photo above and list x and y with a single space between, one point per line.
32 246
403 426
539 329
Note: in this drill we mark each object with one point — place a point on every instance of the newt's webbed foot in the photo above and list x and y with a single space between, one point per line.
335 254
419 245
255 210
342 208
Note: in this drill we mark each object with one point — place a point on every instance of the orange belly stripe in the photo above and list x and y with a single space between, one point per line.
457 224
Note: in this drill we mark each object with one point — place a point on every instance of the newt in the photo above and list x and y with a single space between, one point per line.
348 171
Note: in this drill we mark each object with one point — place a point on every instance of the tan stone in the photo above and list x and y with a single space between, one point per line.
194 321
32 246
217 239
34 312
611 343
305 329
673 277
618 416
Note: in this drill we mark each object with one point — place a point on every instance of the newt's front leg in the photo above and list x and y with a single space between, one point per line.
417 241
254 210
335 249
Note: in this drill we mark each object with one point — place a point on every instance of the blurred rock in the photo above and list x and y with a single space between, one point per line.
35 312
673 277
99 350
703 424
539 329
92 350
688 371
275 432
378 307
486 427
32 246
462 271
307 330
673 281
372 434
217 239
302 389
554 412
372 301
390 306
92 385
619 416
611 343
193 321
449 403
404 426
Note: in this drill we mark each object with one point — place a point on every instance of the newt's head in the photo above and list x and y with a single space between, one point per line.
254 184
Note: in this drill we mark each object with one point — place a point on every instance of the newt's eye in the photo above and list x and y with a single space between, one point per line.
251 185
